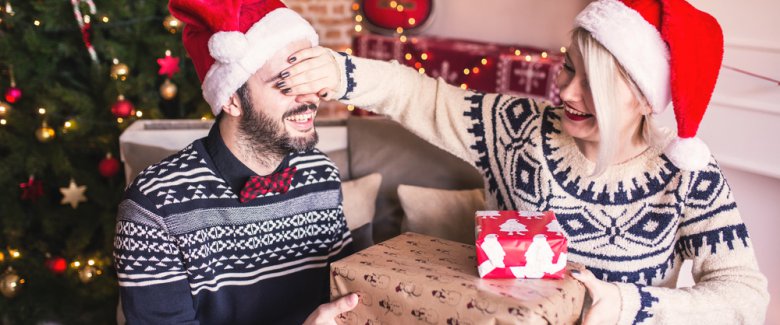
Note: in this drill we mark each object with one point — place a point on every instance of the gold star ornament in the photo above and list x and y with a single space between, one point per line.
73 194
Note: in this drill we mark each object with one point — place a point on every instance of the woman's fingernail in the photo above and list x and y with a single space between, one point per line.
286 91
284 74
280 84
292 59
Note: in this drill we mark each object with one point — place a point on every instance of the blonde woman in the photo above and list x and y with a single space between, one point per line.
633 201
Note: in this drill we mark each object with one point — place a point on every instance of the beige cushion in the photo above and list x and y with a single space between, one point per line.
447 214
384 146
360 199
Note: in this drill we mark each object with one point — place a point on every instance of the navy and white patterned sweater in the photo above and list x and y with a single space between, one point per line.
633 225
188 252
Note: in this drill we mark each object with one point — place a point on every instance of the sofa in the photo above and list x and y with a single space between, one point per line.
362 148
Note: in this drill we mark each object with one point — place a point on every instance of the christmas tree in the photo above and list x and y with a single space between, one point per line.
73 75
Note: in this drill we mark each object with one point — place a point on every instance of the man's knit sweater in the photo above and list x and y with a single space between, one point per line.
188 252
633 225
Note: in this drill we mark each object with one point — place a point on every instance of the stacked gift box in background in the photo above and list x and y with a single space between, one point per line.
485 67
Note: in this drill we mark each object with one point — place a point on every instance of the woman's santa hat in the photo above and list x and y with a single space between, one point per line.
673 52
229 40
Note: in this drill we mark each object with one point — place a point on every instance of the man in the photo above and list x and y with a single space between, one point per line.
201 236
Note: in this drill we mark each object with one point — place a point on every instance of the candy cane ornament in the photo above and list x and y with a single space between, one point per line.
85 25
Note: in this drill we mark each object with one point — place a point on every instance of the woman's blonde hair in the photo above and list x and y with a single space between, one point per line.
603 71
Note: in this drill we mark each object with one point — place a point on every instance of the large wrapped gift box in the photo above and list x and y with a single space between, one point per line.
520 244
414 278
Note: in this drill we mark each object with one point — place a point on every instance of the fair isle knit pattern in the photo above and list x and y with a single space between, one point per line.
187 249
632 226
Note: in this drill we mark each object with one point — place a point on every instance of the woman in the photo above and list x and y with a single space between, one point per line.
633 201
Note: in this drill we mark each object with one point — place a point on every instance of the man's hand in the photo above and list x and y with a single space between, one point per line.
606 299
326 314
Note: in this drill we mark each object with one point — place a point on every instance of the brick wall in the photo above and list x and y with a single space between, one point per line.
333 20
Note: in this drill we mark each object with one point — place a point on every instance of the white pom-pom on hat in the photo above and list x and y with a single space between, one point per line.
688 154
228 47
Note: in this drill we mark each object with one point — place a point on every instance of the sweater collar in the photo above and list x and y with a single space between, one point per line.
227 165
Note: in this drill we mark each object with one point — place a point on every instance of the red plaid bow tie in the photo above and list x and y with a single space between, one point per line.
274 183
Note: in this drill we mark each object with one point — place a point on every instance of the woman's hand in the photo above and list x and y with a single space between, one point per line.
313 71
326 314
606 299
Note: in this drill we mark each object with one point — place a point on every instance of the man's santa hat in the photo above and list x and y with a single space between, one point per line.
673 52
229 40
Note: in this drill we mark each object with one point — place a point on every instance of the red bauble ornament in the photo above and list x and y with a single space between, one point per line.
13 94
123 107
57 265
109 166
407 14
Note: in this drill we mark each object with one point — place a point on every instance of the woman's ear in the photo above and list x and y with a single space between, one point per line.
233 106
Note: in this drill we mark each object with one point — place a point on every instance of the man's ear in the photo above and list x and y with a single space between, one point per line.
233 106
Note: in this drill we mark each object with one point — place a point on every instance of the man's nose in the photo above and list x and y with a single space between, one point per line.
308 99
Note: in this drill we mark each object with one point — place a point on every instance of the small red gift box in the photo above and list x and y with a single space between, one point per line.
519 244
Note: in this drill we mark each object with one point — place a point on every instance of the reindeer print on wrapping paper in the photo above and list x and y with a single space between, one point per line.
349 318
345 273
483 306
409 288
426 315
377 280
448 297
458 321
519 311
391 307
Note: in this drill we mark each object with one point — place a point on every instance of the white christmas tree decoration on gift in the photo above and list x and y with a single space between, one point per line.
512 226
488 214
555 227
530 214
495 254
538 259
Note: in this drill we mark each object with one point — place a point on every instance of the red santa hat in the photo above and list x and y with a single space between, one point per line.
673 52
229 40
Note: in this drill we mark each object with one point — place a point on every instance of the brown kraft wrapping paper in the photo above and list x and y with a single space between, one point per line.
417 279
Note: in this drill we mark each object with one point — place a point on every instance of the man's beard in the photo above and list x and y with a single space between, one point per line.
267 138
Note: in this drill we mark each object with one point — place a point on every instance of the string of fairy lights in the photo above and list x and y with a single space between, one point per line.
86 268
123 110
418 60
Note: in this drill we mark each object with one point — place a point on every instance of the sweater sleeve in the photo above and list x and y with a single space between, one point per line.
729 287
430 108
153 285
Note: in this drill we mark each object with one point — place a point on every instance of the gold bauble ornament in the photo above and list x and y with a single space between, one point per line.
168 90
44 133
2 257
87 273
119 70
10 283
172 24
4 108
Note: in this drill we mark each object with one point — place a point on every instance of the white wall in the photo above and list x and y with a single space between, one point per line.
540 23
742 126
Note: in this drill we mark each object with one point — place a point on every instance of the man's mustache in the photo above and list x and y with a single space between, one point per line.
300 110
